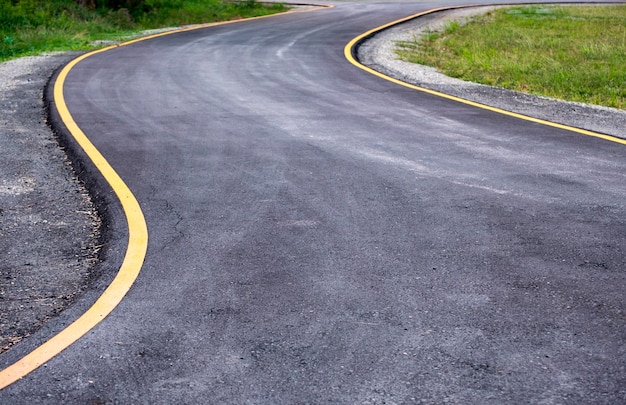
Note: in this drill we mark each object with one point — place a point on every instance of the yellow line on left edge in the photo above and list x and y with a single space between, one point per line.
137 233
131 265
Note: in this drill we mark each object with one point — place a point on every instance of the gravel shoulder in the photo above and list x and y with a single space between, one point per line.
49 228
50 231
378 54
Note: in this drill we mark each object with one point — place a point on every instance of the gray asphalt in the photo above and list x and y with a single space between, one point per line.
320 235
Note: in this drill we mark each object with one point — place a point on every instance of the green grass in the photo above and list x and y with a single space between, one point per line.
575 53
30 27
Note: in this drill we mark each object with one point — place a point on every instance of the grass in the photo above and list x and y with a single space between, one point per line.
575 53
30 27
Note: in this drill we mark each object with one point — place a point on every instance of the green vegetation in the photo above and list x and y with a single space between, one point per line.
29 27
575 53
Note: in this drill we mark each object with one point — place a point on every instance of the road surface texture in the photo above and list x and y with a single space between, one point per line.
321 235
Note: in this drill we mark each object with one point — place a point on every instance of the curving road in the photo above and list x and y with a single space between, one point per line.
321 235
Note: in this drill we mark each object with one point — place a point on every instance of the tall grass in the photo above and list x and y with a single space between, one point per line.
576 53
30 27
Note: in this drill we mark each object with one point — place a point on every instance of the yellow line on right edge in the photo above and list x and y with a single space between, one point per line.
348 54
131 265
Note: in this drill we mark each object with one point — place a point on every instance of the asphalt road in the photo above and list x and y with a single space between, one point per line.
321 235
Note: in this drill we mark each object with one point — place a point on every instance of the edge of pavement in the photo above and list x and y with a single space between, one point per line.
376 51
113 233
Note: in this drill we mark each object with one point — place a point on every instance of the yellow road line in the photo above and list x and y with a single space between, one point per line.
137 230
131 265
348 52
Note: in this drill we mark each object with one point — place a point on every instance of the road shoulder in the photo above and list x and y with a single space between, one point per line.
49 226
377 53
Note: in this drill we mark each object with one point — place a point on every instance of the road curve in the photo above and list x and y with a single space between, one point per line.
319 234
